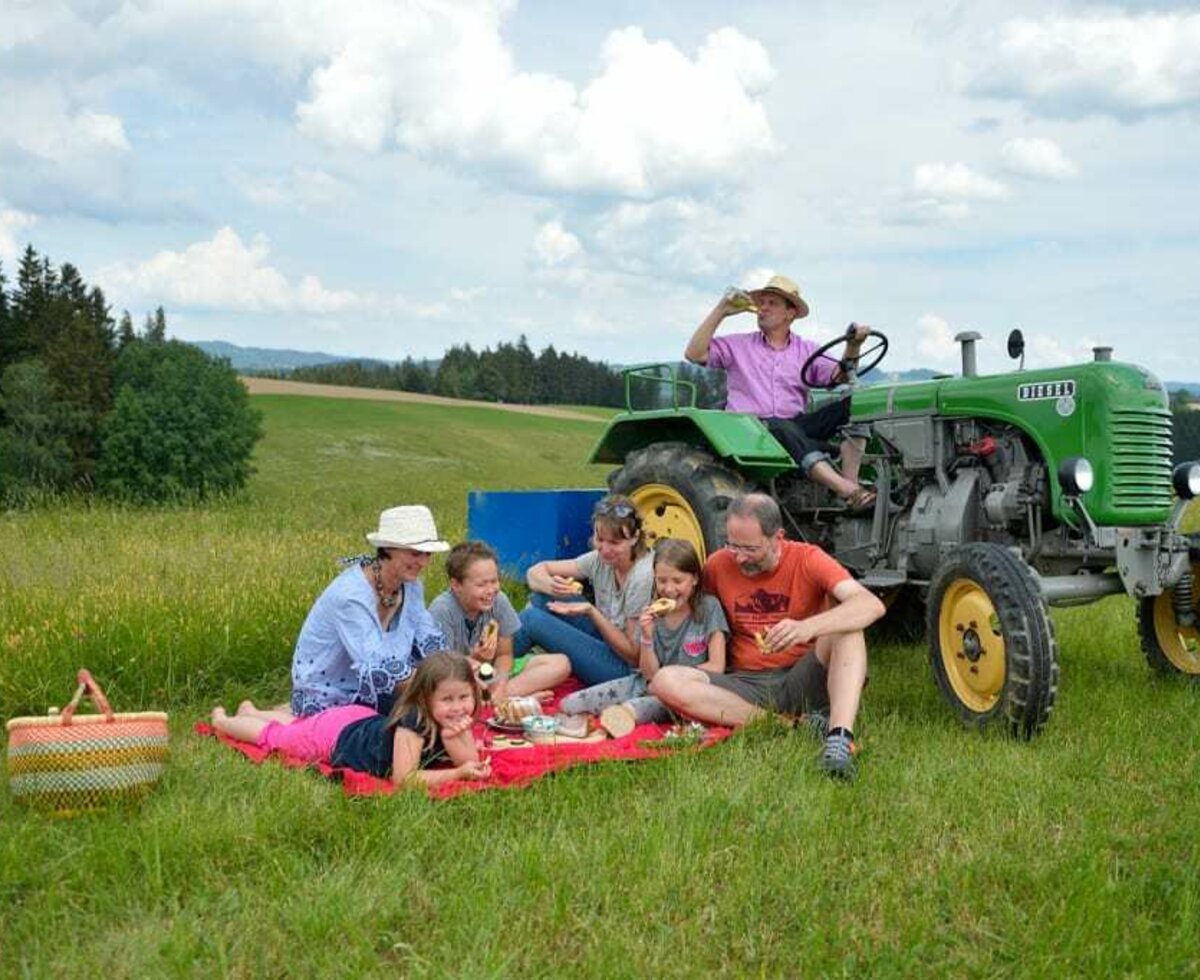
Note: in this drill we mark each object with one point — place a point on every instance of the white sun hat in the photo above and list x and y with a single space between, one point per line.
410 526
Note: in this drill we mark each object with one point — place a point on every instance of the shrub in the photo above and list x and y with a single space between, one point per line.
181 426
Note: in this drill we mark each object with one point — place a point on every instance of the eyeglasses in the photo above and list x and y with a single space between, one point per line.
746 549
606 508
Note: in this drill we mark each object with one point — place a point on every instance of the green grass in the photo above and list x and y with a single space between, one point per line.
955 853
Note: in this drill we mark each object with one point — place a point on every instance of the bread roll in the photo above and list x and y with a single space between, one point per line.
491 631
660 606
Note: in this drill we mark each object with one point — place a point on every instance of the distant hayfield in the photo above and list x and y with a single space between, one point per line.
273 386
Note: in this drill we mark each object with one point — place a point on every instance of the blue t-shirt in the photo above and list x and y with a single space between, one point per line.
343 656
369 745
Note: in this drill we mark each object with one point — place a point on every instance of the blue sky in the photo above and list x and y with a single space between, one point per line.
390 178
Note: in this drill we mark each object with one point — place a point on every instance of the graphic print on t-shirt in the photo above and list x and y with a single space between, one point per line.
759 611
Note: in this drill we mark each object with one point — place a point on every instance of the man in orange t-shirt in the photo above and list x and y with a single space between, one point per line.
796 620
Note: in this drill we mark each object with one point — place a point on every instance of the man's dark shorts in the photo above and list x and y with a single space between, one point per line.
800 688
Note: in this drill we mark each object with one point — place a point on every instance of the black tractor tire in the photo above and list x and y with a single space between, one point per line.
680 492
1170 648
991 640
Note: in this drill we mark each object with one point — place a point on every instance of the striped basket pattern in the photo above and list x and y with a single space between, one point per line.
67 764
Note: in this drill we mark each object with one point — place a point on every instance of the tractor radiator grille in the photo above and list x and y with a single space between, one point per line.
1141 446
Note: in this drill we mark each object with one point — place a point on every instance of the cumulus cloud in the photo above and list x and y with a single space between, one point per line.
554 245
1037 158
438 79
1123 65
935 339
942 192
41 120
225 273
955 182
680 235
12 223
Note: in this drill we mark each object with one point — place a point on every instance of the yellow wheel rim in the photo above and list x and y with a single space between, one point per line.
1179 644
972 645
665 514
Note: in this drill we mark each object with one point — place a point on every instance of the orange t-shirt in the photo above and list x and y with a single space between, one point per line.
798 587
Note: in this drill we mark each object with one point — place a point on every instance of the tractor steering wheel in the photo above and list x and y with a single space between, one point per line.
872 353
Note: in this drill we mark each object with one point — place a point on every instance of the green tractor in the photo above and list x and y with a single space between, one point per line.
997 496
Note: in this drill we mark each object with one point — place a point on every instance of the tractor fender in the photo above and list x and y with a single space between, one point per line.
740 440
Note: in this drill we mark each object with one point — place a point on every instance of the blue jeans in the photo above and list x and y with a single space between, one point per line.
592 660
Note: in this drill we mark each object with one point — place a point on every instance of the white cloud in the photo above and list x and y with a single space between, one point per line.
1127 66
42 120
1039 158
438 80
12 223
935 339
225 273
1044 350
554 245
677 235
955 182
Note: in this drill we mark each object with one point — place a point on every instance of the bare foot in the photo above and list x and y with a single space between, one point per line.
218 714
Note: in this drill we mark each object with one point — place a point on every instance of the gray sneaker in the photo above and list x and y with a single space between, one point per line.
816 722
837 758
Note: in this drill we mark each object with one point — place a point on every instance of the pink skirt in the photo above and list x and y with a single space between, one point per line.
312 738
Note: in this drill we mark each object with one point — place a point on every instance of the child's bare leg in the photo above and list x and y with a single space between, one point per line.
281 713
241 727
542 672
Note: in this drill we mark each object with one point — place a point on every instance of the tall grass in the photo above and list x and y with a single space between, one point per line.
955 853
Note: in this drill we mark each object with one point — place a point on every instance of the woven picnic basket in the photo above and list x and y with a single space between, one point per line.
68 763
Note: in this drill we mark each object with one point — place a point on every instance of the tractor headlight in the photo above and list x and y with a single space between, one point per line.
1187 480
1076 476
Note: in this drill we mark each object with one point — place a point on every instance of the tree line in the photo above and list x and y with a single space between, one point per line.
510 373
88 403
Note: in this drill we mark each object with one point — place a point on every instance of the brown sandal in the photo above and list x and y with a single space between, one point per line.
860 499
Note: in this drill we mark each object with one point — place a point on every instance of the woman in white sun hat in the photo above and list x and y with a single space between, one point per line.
369 628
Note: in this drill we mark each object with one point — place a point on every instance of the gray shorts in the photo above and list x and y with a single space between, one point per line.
795 690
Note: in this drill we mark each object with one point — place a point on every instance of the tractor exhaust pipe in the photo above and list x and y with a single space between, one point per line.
967 338
1102 353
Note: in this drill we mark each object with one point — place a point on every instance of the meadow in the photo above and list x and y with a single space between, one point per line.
955 853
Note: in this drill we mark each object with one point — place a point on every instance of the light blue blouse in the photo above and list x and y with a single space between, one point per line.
343 656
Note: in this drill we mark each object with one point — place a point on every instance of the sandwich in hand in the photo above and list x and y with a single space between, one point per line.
661 606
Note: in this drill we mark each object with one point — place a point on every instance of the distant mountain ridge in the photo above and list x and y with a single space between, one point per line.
268 358
275 359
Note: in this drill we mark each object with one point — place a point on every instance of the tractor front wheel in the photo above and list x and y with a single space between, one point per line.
680 491
1170 646
992 641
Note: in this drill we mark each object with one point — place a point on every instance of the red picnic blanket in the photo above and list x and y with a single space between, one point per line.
510 766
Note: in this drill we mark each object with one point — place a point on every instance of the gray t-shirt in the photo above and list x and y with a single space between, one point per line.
687 644
463 633
618 605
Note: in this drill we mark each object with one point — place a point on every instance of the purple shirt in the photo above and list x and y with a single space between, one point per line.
762 380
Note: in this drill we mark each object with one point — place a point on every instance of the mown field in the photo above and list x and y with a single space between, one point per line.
954 854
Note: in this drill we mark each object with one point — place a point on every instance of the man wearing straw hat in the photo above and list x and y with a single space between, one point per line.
763 378
369 628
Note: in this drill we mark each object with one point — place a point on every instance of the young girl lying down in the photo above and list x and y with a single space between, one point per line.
431 722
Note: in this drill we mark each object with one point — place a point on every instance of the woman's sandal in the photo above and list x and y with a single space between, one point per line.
860 499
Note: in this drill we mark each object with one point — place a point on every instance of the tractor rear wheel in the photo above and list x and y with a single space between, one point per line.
1169 647
680 491
991 640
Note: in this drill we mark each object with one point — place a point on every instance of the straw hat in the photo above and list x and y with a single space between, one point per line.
784 287
409 527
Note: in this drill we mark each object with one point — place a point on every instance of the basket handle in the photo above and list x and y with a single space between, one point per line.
87 683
